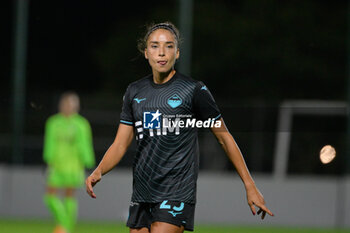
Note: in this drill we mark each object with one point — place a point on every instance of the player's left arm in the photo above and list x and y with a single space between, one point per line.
254 197
86 143
49 141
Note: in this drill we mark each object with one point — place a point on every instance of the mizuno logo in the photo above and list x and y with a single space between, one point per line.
134 203
204 88
174 213
165 205
139 100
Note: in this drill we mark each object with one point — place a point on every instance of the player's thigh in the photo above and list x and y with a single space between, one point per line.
163 227
139 230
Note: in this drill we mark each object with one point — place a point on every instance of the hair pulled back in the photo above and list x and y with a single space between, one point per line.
142 42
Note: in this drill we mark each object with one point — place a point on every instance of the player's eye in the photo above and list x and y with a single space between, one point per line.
170 46
154 46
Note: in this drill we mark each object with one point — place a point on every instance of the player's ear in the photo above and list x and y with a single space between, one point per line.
177 54
146 54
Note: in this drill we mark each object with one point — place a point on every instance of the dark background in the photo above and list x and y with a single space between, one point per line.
253 55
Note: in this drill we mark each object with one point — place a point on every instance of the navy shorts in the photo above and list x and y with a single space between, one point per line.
173 212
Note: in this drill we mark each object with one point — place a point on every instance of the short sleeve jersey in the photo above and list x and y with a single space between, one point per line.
164 117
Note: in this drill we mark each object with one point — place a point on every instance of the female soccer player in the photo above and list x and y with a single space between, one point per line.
67 150
163 110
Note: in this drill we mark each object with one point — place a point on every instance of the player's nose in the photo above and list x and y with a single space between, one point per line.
161 51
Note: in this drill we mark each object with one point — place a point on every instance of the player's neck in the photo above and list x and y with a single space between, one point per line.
160 78
68 114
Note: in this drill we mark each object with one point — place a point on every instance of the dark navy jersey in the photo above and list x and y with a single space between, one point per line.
166 118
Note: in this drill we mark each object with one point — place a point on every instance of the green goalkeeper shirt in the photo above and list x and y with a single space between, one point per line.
68 144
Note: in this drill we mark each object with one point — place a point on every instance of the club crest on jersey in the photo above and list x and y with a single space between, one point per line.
152 120
174 101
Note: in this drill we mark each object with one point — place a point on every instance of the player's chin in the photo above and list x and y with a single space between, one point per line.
163 70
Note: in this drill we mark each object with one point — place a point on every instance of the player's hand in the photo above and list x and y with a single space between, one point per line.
91 181
255 198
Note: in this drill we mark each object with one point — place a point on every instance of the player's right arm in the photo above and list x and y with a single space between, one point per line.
114 154
49 141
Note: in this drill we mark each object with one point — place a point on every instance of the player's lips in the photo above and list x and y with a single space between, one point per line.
162 62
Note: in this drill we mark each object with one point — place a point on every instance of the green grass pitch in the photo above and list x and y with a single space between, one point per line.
37 226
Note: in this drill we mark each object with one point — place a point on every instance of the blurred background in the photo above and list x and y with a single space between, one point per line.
278 70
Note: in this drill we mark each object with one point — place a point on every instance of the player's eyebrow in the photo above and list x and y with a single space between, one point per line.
167 42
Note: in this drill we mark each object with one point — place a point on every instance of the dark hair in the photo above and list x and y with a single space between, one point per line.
142 42
68 94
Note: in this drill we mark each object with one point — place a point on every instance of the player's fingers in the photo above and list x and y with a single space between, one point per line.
89 188
252 208
93 182
265 209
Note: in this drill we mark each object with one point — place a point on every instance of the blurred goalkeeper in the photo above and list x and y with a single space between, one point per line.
68 150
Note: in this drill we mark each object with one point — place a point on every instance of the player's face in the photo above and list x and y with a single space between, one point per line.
161 51
69 106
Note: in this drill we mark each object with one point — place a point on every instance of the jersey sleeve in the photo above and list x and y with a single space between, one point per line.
204 104
126 116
